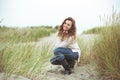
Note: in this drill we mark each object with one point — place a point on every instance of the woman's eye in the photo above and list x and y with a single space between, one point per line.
68 24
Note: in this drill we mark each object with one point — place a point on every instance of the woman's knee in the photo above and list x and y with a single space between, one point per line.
56 59
57 50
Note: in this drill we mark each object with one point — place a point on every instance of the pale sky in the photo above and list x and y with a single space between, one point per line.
23 13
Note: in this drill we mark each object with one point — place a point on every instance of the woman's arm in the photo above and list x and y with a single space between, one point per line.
64 43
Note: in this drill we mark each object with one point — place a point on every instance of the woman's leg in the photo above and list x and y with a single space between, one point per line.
71 63
57 58
66 58
66 53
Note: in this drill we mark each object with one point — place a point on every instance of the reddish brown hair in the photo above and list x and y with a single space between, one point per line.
71 31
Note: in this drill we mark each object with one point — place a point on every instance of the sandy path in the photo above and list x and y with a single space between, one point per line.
83 72
12 77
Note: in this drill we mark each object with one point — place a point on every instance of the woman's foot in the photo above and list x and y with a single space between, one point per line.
68 72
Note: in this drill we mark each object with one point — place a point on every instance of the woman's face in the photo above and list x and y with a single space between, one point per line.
67 25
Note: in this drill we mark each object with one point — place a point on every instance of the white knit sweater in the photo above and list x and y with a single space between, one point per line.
70 43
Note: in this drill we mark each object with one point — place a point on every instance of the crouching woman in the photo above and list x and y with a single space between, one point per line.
67 51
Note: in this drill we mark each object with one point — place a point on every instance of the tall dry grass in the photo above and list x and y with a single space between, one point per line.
26 59
20 54
106 51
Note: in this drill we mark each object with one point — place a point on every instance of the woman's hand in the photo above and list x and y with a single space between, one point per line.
66 32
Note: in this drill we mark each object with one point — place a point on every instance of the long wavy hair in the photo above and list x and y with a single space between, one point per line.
71 32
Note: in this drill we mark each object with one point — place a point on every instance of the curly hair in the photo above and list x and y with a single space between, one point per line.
71 31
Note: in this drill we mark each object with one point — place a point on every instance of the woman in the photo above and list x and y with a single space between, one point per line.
67 51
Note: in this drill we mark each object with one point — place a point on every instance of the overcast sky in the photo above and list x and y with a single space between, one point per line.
22 13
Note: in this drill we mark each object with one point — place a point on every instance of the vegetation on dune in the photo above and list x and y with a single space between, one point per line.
18 55
24 59
24 34
106 52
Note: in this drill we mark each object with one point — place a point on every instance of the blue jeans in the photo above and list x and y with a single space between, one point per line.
61 53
